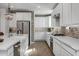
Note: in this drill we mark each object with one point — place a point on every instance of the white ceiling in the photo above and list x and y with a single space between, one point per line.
37 7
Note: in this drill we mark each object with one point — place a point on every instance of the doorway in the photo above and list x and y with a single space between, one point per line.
24 28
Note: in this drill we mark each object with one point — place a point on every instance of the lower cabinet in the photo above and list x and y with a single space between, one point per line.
65 53
48 42
58 49
24 47
8 52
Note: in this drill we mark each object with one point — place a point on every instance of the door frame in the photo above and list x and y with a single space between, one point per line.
29 29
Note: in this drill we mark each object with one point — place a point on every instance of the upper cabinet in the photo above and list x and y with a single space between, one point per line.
69 13
75 13
57 15
53 19
66 14
58 9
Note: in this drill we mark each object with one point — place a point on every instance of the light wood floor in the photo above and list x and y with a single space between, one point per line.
39 49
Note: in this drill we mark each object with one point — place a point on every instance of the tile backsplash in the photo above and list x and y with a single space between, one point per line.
58 30
72 31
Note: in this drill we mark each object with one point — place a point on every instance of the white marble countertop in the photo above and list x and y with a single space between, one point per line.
10 41
71 42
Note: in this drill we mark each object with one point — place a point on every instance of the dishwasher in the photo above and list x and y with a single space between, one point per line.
17 49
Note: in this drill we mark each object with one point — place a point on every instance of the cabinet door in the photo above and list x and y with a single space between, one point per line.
10 51
75 13
65 53
48 39
24 46
56 49
57 10
66 14
52 18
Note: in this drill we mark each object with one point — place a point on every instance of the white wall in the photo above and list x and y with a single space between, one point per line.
22 16
40 22
0 22
12 23
19 16
4 23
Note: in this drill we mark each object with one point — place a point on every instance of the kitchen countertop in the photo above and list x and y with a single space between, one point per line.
10 41
69 41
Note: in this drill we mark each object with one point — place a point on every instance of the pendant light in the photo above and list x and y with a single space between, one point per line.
9 15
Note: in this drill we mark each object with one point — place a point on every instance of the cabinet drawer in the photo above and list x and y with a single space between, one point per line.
10 50
65 53
56 40
11 54
69 49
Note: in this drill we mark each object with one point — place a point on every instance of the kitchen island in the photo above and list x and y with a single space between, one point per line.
7 46
65 46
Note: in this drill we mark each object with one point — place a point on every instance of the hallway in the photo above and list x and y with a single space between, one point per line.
39 49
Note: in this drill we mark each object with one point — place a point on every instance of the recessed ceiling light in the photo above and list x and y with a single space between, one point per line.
38 6
11 6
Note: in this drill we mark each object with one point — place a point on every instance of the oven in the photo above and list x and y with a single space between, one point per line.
51 43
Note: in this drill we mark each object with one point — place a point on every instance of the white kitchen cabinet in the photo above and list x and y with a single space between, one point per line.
52 19
67 14
70 14
11 51
24 46
48 42
60 49
8 52
48 38
75 13
65 53
57 10
56 48
53 22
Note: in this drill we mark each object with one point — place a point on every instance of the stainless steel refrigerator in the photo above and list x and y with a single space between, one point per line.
23 27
